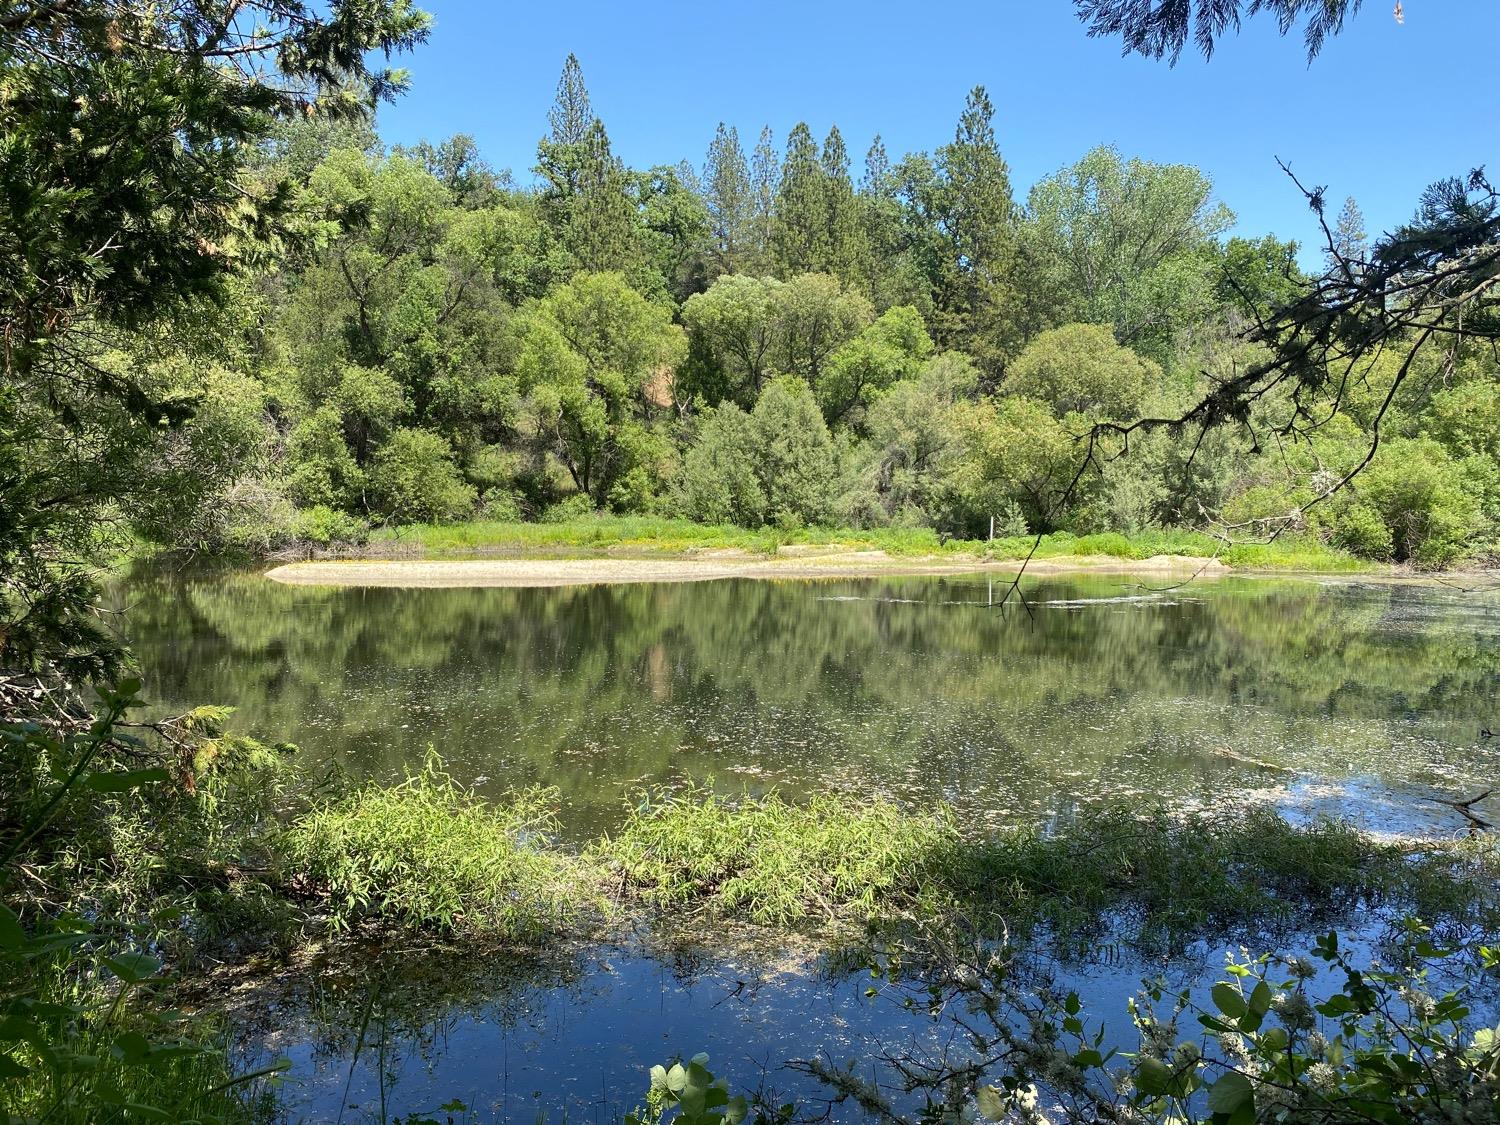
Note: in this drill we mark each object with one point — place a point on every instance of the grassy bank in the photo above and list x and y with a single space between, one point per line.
672 537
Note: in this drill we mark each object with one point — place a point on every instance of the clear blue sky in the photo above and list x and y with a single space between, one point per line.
1383 111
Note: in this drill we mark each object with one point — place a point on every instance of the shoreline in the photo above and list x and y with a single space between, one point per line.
574 571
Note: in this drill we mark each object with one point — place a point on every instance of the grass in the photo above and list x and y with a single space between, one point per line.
773 862
657 535
1162 877
428 854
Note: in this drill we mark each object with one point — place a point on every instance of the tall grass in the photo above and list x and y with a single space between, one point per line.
1151 877
774 862
428 854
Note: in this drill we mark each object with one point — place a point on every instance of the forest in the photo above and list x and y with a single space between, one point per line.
236 325
767 339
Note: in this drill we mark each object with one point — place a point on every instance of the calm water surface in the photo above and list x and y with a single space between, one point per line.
1354 699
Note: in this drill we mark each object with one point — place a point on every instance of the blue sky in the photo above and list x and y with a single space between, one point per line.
1384 110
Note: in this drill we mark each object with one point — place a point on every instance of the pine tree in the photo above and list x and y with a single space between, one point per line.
847 246
1350 242
765 182
800 221
974 289
877 178
603 225
727 195
560 154
571 117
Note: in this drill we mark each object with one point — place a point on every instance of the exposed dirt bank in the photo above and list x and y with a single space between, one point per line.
706 567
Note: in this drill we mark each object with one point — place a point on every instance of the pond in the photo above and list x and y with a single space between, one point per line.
1355 699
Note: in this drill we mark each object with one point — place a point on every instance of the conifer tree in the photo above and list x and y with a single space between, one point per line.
602 226
765 181
977 218
1350 242
848 247
877 178
799 223
728 197
571 116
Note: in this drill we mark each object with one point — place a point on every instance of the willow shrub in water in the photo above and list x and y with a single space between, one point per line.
428 853
775 862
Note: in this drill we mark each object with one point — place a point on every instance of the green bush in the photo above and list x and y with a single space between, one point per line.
1360 530
414 478
324 526
428 854
1425 499
774 862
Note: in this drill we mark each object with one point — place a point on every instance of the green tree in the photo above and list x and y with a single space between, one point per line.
796 459
739 319
848 246
1122 242
959 220
765 183
592 356
572 115
414 479
126 200
860 371
817 315
720 480
915 443
728 195
1079 369
799 223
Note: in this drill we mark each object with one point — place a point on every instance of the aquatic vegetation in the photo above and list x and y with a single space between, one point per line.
428 854
1147 877
772 861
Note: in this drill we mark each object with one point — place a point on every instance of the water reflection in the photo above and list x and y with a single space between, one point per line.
1330 698
911 687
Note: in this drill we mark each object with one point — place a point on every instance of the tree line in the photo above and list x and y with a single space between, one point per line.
765 339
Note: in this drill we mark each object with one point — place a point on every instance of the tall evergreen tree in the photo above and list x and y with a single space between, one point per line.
603 225
848 248
587 198
877 178
977 218
765 181
571 116
799 224
560 154
728 196
1350 242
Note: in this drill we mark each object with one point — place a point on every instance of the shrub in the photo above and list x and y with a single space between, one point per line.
719 482
1360 530
1425 499
795 455
428 854
414 478
323 526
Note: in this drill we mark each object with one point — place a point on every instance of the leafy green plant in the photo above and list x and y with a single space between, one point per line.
689 1094
82 1036
427 853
